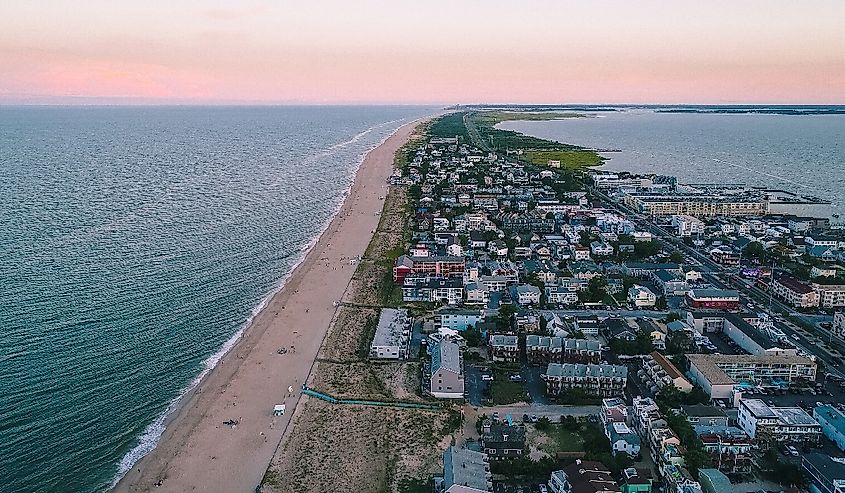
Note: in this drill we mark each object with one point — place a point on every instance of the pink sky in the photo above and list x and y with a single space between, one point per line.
442 52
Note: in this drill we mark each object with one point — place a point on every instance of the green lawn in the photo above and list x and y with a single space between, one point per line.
503 391
570 159
556 440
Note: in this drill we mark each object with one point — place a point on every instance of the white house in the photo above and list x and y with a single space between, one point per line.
526 294
601 249
641 296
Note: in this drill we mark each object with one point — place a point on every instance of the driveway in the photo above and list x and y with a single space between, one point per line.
474 386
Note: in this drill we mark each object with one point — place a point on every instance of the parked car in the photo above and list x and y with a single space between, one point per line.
534 418
516 378
792 451
526 418
487 378
543 488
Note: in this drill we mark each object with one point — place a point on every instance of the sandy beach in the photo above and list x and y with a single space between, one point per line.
197 451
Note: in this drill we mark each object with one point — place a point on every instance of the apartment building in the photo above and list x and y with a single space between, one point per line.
595 380
504 348
661 372
718 374
794 292
766 424
393 335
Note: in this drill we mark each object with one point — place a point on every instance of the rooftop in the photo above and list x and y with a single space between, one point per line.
447 355
667 365
832 416
709 364
579 370
720 294
392 328
465 467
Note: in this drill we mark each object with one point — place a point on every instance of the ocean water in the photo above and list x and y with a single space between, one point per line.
135 244
804 154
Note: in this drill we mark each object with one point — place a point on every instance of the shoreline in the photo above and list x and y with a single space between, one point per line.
189 418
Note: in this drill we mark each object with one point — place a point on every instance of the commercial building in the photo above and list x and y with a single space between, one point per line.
445 266
832 421
766 424
830 295
447 371
393 335
718 374
743 329
595 380
713 299
824 473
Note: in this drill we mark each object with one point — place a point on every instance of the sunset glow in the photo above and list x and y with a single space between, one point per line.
441 52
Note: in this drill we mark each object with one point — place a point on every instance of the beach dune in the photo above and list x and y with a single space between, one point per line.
200 452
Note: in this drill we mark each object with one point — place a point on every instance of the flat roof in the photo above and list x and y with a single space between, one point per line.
392 324
465 467
832 416
714 293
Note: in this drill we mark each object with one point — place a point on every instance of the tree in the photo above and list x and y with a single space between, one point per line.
473 336
676 257
679 342
756 251
503 318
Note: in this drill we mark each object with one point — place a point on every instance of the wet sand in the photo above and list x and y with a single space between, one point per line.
197 451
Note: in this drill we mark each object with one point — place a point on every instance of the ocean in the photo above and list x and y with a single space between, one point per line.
136 244
804 154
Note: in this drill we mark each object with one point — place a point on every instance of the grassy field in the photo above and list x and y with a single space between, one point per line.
556 440
494 117
568 158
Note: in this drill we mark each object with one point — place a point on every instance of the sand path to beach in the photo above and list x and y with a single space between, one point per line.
197 451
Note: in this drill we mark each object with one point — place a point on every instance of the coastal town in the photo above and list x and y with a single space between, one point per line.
607 332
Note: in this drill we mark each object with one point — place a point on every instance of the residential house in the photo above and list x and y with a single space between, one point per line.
458 319
502 441
637 480
622 439
641 296
504 348
447 371
526 294
661 372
